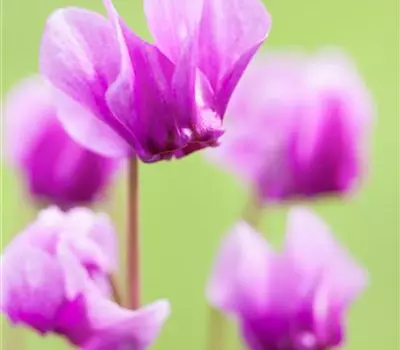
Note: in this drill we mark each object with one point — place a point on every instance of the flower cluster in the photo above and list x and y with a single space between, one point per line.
298 129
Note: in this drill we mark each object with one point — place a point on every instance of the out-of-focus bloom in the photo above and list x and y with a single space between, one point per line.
119 94
299 126
292 300
53 276
55 168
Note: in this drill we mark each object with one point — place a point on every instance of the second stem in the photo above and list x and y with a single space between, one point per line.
133 236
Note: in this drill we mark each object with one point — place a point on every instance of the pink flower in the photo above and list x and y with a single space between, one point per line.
54 168
118 94
299 126
55 279
296 299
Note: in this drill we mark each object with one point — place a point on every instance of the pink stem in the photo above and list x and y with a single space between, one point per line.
217 330
115 290
217 323
133 239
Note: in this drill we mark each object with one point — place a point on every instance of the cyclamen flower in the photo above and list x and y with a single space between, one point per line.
54 167
296 299
54 276
299 126
119 95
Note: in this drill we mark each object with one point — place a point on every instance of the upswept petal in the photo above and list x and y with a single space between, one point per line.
88 130
158 128
172 22
230 31
92 237
32 287
231 78
78 57
19 131
239 278
310 243
115 327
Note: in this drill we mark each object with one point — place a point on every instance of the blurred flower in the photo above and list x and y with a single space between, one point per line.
50 275
120 94
299 126
293 300
55 168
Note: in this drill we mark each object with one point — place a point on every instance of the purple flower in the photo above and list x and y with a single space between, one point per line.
55 279
54 167
292 300
299 126
119 94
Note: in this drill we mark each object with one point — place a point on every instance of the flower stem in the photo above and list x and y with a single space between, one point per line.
252 212
133 238
115 290
216 330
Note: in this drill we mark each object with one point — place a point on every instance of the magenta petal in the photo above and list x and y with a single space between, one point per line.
120 95
229 31
172 22
115 327
228 35
162 92
239 278
53 167
310 243
78 57
88 130
76 278
231 79
19 134
92 238
32 288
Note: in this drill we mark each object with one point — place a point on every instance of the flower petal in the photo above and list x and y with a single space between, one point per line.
32 288
116 327
78 55
92 237
312 246
166 93
230 32
239 278
336 132
172 22
76 278
19 131
87 129
120 95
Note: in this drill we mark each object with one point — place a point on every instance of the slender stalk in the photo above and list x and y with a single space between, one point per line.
217 330
115 290
252 214
133 239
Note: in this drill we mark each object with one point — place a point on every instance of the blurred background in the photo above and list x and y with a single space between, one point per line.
187 205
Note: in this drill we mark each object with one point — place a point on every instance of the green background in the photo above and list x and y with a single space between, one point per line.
187 205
